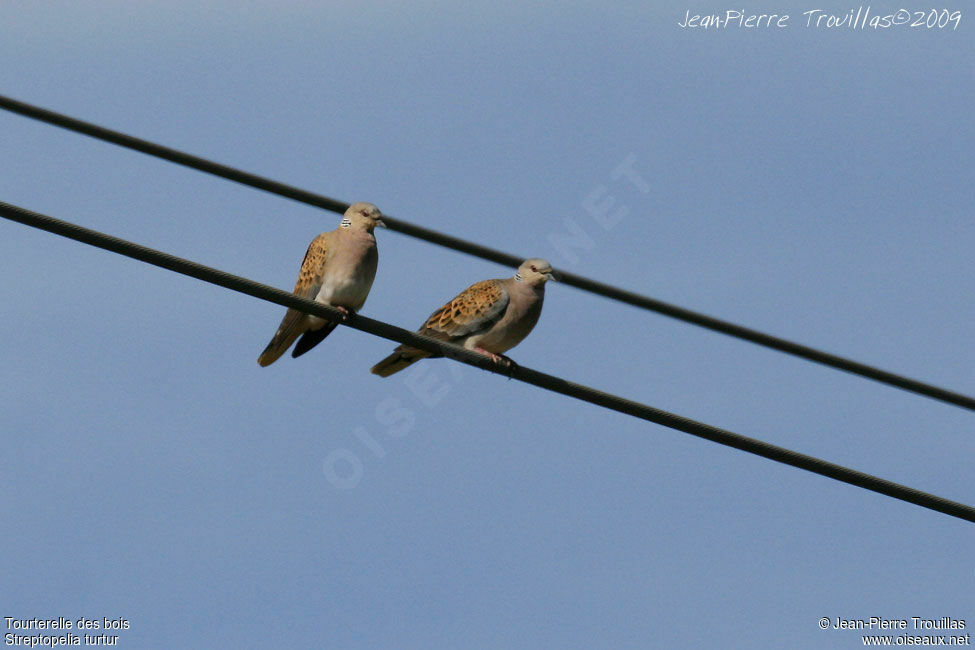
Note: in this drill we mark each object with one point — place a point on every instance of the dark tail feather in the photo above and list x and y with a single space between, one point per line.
399 359
311 338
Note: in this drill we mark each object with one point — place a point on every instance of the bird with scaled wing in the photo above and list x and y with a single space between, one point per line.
489 317
338 270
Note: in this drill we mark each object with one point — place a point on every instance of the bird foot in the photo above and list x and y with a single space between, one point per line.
345 312
500 360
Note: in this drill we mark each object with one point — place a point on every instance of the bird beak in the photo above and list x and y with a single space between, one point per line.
552 275
381 223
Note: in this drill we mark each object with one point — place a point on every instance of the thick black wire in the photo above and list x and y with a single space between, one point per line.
441 239
521 373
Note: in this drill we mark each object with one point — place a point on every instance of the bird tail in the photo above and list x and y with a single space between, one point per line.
399 359
283 338
278 346
311 338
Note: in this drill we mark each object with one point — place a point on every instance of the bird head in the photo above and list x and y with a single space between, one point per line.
363 215
535 271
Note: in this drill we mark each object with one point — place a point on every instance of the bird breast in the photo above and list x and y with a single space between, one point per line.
348 276
518 320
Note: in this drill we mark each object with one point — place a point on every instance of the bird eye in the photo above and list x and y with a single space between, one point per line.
533 268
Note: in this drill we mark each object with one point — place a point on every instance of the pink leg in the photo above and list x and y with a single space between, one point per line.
499 359
496 358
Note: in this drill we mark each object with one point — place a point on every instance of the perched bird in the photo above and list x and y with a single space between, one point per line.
489 317
338 270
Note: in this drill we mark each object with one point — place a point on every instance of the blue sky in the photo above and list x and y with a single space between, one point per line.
814 184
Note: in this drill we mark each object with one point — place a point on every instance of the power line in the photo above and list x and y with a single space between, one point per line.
521 373
507 259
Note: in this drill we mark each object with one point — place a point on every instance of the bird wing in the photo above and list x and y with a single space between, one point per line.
310 279
475 310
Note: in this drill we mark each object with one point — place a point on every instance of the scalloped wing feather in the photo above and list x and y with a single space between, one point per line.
474 310
310 278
